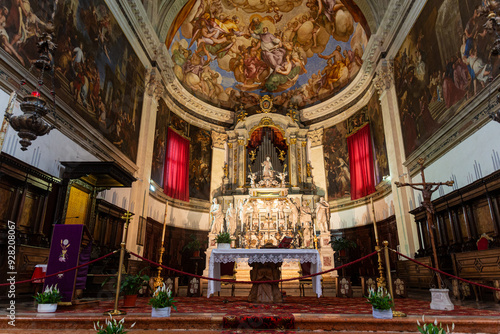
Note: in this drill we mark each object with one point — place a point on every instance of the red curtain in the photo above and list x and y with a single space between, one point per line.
361 163
176 175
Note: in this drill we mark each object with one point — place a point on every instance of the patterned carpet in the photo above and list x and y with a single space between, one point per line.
306 305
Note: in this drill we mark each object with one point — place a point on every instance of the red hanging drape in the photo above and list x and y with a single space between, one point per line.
361 163
176 175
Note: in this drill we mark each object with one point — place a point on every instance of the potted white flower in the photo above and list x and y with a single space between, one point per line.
162 302
223 240
112 327
433 328
48 299
381 302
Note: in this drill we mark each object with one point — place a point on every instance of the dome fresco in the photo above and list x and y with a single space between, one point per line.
231 52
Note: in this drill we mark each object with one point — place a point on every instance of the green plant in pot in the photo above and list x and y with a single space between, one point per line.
48 299
193 246
341 244
223 238
131 285
381 302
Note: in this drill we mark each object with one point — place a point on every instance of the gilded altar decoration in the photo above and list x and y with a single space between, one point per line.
253 155
266 104
64 250
242 114
292 113
281 155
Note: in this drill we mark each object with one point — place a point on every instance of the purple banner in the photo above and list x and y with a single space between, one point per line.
64 254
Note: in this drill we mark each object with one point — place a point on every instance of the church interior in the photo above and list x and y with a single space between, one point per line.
142 135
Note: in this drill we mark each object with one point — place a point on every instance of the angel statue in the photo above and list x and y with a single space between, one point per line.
252 177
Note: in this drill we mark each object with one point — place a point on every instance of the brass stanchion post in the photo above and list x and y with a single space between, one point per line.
158 279
389 279
380 280
116 311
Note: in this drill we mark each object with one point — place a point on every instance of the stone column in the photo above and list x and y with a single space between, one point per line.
139 193
407 231
294 180
232 161
317 159
241 164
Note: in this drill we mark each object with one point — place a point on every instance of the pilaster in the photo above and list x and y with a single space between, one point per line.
407 231
139 193
317 157
293 162
218 160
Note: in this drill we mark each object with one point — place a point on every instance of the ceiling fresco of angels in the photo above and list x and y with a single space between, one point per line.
230 52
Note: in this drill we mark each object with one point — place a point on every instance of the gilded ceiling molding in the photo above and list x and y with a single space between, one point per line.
384 78
316 137
219 139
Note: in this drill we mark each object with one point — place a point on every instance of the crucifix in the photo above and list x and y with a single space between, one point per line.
427 188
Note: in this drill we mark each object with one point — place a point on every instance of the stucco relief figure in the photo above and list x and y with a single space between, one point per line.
323 215
217 217
267 168
231 219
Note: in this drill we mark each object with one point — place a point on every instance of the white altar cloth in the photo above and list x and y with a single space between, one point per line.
274 255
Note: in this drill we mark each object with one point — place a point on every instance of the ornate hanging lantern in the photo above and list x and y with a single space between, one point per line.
31 124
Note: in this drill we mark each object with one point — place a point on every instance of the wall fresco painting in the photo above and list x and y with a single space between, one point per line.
97 71
178 124
338 177
160 141
230 52
443 62
200 163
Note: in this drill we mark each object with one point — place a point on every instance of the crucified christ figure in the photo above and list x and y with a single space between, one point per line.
427 188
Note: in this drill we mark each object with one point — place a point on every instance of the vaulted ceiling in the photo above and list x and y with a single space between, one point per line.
316 55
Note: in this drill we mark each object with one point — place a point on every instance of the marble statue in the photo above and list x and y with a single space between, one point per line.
231 219
217 217
267 168
282 177
323 215
252 177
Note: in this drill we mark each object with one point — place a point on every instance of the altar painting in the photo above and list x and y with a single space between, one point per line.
227 53
338 176
200 162
443 62
160 141
374 113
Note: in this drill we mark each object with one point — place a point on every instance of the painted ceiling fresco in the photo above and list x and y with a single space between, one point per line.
230 52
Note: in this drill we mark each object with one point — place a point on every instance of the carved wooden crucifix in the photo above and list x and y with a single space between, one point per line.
427 188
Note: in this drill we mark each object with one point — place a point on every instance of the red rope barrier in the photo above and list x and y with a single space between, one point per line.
253 282
442 272
63 271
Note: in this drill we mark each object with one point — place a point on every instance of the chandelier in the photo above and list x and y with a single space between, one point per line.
31 124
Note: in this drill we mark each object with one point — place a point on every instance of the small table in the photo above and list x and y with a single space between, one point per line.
219 256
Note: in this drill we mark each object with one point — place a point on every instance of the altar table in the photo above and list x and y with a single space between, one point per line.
274 255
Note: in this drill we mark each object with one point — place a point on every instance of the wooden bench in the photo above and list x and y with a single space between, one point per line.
414 274
482 266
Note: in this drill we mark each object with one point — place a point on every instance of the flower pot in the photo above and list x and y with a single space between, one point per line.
47 308
381 314
223 246
129 300
161 312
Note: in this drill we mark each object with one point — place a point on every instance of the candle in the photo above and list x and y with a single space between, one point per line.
164 224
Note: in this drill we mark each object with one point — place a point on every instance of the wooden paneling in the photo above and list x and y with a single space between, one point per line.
27 258
414 275
478 265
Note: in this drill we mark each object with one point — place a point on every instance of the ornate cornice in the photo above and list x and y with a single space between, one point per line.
218 139
316 137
